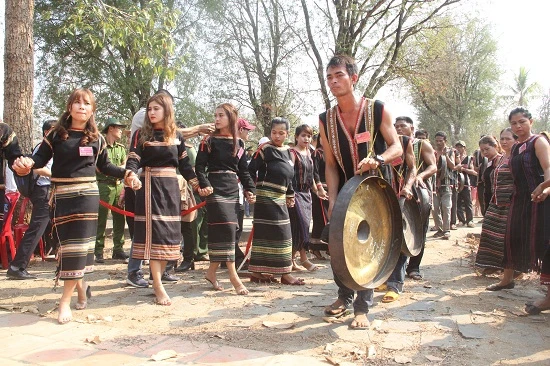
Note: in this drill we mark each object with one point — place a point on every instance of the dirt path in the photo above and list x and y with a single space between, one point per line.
447 319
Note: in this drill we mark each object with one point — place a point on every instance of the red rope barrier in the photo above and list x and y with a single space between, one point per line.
131 214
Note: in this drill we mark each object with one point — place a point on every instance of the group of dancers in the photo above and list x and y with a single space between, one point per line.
288 185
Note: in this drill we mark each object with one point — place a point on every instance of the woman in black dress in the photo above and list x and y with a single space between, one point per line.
78 150
272 242
303 182
221 163
159 149
530 166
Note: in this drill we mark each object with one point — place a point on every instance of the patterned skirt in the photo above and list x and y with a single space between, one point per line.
223 210
300 217
74 222
272 241
319 210
157 221
490 253
525 243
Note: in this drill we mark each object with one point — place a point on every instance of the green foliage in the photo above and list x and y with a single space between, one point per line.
522 89
454 80
119 49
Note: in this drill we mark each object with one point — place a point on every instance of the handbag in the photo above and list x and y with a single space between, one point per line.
187 200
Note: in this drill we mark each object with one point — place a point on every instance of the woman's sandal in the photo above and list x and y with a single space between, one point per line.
216 285
296 282
309 266
390 296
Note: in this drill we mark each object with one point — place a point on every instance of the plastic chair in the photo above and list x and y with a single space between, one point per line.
20 228
6 236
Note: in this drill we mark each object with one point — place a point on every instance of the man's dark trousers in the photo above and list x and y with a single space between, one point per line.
39 221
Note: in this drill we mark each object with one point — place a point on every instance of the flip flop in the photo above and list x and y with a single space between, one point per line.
415 276
383 287
312 267
532 309
390 296
216 285
341 310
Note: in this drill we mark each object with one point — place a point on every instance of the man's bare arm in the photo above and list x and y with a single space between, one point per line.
193 131
331 170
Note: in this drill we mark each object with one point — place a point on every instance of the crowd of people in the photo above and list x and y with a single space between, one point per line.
506 179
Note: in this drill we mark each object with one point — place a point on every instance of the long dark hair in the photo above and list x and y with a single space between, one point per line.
233 116
64 123
165 101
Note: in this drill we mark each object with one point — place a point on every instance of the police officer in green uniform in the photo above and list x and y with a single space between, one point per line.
109 191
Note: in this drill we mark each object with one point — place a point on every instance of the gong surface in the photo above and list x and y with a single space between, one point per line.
424 198
412 227
365 232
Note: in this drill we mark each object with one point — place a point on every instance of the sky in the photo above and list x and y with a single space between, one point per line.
520 28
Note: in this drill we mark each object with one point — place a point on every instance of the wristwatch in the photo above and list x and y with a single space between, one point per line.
379 159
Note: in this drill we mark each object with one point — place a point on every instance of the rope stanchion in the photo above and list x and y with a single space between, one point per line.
131 214
116 209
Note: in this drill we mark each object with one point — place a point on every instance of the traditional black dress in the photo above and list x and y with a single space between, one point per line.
300 214
491 246
75 196
525 243
157 221
319 207
272 241
216 155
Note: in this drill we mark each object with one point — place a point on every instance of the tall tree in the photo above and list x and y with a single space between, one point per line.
373 32
19 70
257 46
122 49
522 89
544 113
454 81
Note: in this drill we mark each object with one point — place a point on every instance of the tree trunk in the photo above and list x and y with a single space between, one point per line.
19 70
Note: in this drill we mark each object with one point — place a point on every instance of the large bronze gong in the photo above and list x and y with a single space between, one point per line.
412 227
424 198
365 232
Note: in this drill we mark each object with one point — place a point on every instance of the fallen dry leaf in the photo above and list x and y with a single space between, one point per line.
275 325
30 309
332 361
94 340
218 336
164 355
402 359
434 358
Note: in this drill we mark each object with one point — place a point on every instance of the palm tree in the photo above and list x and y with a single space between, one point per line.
521 89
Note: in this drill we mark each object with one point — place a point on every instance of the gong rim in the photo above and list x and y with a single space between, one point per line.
365 239
412 227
